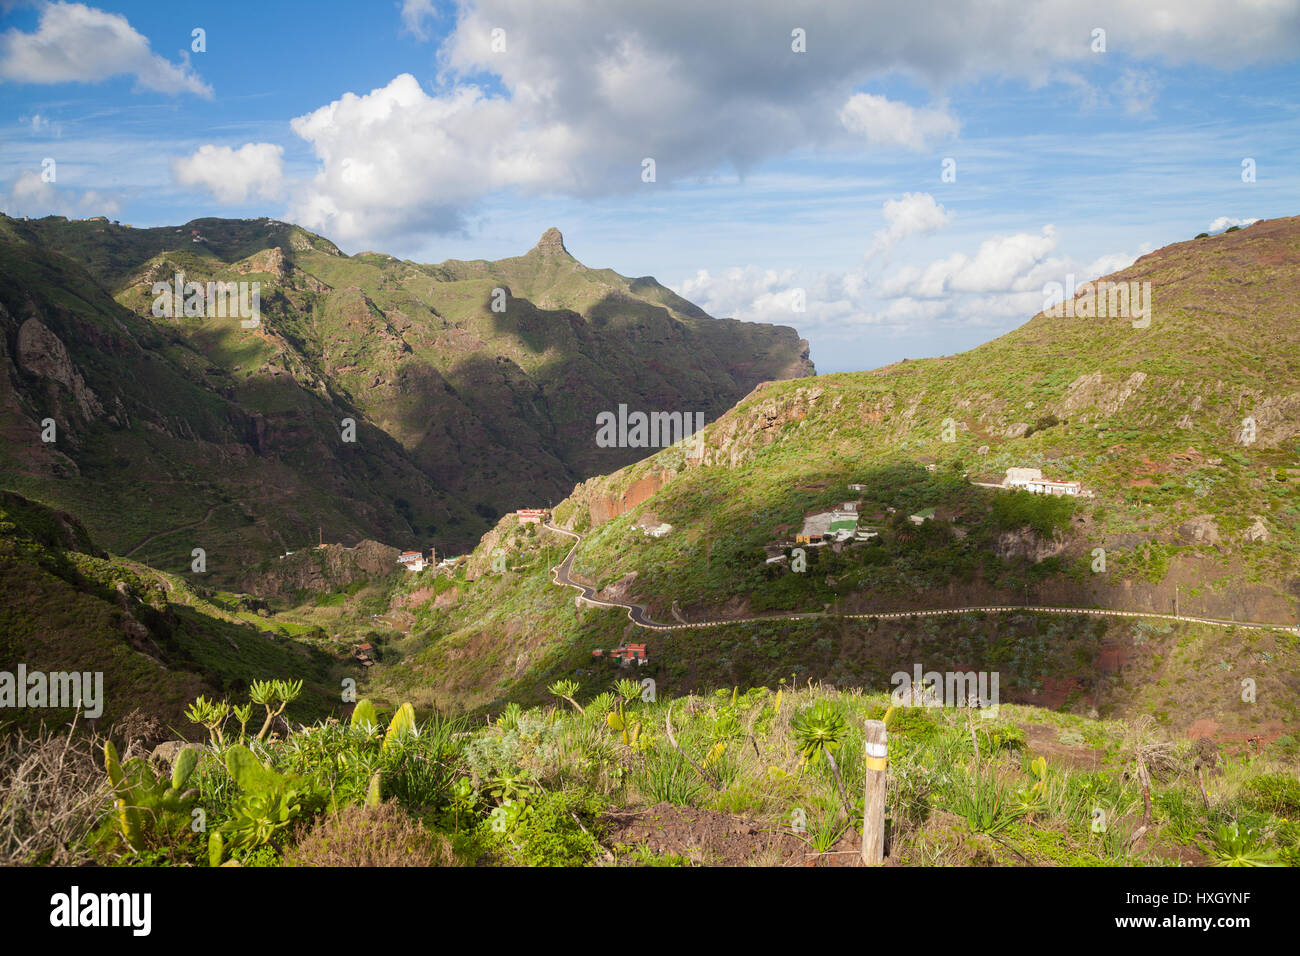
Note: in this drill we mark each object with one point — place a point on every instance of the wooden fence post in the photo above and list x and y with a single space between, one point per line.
873 815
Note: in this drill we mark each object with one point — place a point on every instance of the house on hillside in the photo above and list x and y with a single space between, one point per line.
1032 480
411 560
815 527
1047 487
1021 477
532 515
839 524
922 516
625 654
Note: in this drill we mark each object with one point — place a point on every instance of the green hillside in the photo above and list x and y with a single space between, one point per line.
158 640
462 412
1189 515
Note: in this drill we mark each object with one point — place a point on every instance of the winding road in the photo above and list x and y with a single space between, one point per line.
638 615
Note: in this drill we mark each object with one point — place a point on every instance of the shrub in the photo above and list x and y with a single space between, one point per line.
1275 793
1006 737
550 832
1044 513
54 790
378 836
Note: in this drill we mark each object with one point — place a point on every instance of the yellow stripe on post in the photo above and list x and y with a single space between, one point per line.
873 815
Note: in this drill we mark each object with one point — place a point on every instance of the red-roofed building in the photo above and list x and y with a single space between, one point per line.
411 560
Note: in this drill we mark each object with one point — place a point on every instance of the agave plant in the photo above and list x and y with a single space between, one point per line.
819 729
1234 845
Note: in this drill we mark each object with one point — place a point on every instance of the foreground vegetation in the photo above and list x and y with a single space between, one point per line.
625 779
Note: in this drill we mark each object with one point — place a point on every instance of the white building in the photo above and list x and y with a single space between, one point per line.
1032 480
1021 477
411 560
1047 487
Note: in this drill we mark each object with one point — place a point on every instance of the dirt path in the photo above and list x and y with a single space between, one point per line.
179 527
638 615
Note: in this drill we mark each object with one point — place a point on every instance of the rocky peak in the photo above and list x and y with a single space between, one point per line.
551 243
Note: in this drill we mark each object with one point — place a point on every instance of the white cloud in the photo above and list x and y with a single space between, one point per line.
232 175
1001 264
30 195
586 96
415 13
1137 90
916 214
1000 286
399 159
1223 222
74 43
883 122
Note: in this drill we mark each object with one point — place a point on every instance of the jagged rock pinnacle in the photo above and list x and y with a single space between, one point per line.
551 241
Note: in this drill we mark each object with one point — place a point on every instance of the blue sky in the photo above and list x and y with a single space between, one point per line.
801 187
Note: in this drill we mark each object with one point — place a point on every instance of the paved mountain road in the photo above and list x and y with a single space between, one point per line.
638 615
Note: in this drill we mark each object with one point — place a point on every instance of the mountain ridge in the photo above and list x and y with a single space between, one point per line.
474 410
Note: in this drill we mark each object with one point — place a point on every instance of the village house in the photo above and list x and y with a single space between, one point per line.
532 515
815 527
411 560
1032 480
625 654
839 524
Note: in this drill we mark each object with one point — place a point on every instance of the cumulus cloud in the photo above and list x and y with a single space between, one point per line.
232 175
1223 222
573 104
999 286
916 214
30 195
74 43
1002 264
884 122
399 159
